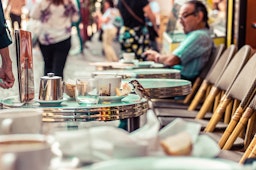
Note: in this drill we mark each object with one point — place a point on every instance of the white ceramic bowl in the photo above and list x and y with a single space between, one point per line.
128 57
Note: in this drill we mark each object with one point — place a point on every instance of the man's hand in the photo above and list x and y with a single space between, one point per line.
7 78
6 74
151 55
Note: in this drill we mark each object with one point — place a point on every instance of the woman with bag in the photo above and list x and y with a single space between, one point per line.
134 36
56 18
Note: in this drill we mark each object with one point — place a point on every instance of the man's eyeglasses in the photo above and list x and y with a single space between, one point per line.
187 15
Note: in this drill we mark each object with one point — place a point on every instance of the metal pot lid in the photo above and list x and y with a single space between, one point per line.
50 76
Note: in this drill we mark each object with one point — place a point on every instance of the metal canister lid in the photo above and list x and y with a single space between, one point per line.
50 76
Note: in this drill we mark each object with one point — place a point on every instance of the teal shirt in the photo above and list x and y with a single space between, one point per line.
5 38
194 52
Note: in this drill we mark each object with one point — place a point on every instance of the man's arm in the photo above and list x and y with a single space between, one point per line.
6 73
169 60
6 60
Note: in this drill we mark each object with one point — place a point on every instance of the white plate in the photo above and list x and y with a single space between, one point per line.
128 62
50 103
166 163
157 65
12 101
111 98
143 64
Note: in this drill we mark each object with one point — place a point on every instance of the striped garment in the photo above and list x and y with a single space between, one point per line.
194 52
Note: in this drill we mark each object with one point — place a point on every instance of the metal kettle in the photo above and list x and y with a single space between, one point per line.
51 88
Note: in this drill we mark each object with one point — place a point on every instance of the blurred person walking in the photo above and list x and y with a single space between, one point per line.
218 17
85 21
174 15
154 34
56 18
14 8
77 26
6 73
134 36
109 29
164 15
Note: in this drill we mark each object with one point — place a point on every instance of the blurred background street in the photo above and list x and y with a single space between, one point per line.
77 64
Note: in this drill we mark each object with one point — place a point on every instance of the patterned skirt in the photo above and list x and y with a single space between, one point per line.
134 40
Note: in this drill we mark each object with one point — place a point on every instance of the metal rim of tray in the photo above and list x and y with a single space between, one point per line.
174 74
107 113
169 91
164 75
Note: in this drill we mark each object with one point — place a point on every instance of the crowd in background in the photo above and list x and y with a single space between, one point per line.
164 11
17 11
137 25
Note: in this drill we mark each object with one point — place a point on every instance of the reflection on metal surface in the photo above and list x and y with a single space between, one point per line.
163 75
130 108
92 114
51 88
24 57
169 92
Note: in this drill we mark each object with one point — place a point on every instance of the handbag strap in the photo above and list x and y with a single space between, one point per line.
132 13
48 6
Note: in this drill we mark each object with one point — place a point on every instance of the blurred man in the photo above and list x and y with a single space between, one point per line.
194 52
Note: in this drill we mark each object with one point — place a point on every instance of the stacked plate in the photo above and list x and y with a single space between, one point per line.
142 73
165 88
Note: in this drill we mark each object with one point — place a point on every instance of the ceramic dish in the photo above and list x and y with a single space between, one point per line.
111 98
157 65
12 101
144 64
166 163
128 62
50 103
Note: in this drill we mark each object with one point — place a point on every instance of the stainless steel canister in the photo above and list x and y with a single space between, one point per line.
51 88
